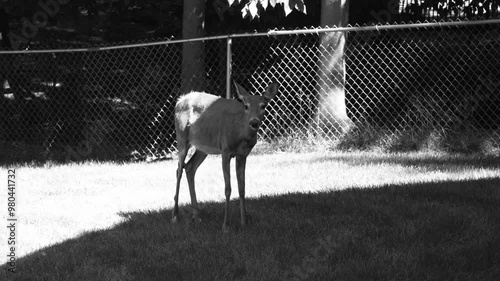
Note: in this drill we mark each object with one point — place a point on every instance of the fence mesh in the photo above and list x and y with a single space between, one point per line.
404 88
432 86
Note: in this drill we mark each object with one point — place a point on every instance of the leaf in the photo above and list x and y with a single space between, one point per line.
288 7
264 3
244 12
299 5
230 2
252 8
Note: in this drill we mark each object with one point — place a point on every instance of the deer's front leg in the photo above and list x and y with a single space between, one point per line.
226 161
240 176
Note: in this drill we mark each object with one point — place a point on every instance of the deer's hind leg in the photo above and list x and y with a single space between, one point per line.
182 153
226 163
191 167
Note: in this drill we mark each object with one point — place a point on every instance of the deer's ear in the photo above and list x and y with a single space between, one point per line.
240 91
271 91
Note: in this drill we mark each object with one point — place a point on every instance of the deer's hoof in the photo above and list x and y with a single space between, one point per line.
196 219
248 219
225 229
175 219
192 210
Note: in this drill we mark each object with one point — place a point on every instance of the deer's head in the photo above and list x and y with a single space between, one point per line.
255 106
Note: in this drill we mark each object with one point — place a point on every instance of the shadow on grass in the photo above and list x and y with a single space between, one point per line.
36 156
434 231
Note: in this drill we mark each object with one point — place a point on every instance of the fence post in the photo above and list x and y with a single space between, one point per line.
228 67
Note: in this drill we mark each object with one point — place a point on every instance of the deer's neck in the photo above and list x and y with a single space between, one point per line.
252 138
244 146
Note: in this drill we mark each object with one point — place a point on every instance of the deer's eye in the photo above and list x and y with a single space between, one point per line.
246 106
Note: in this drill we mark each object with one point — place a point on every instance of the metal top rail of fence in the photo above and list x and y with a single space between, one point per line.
318 30
406 86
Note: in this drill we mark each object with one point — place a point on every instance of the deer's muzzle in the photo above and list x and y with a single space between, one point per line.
254 124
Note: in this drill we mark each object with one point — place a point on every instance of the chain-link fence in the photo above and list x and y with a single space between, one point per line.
405 87
435 87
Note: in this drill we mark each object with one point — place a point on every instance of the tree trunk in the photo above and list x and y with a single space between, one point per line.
332 112
193 53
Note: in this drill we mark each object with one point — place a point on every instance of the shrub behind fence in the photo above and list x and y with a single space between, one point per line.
407 87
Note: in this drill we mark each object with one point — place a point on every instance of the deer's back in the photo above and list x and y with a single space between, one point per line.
210 123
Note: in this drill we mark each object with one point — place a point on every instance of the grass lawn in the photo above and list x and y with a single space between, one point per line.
314 216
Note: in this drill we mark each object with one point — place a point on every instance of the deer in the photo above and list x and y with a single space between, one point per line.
215 125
